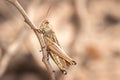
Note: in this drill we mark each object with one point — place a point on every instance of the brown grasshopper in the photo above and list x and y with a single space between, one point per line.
52 44
54 49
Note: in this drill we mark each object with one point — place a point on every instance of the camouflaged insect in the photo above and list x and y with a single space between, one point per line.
54 49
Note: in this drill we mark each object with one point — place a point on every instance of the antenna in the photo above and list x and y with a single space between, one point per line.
49 7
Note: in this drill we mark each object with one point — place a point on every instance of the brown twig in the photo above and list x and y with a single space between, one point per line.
38 34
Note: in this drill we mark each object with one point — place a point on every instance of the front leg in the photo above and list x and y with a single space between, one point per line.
42 48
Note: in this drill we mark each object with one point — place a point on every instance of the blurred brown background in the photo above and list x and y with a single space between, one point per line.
88 30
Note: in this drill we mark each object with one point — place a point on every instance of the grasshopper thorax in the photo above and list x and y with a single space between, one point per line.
45 27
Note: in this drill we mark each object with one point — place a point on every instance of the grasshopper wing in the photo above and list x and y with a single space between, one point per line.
58 51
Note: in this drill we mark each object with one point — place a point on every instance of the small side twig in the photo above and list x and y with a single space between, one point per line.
38 34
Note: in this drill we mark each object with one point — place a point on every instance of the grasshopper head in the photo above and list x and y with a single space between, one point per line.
45 27
44 24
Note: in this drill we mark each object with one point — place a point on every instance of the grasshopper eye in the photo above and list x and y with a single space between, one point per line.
46 22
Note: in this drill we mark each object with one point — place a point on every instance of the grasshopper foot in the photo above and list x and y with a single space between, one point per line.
64 72
74 63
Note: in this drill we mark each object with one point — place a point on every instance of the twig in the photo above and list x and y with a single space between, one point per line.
41 41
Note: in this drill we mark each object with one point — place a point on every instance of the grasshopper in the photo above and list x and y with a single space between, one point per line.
52 45
54 49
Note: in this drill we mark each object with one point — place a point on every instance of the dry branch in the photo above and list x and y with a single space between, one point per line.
38 34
